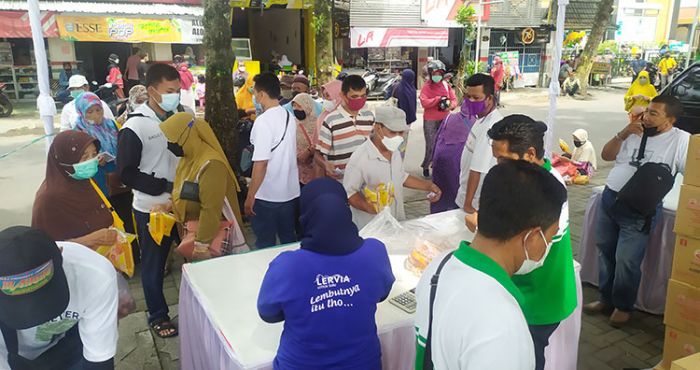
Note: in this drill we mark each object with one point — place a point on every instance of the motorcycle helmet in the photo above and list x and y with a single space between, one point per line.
435 65
114 58
238 81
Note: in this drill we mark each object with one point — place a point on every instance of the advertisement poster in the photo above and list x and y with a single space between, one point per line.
77 28
370 37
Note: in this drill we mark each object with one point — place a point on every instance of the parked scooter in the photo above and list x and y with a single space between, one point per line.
107 94
5 103
379 84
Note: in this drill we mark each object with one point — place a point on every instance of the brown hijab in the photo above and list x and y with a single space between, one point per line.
66 208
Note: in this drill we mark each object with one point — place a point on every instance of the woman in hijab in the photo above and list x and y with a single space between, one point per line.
91 120
449 143
202 161
640 93
307 137
405 92
336 332
66 206
244 98
138 95
437 98
331 93
498 73
584 151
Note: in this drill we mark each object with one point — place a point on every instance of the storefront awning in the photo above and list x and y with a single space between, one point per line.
16 24
366 37
101 8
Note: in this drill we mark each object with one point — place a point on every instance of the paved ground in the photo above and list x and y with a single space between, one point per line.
601 347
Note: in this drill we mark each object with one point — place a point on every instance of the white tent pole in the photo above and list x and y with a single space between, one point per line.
45 103
554 74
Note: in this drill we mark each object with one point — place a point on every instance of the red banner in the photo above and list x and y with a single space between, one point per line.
16 25
363 37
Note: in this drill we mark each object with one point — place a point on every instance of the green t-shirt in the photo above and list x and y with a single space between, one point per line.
550 291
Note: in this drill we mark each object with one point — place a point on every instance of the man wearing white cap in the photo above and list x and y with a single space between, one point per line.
374 177
77 85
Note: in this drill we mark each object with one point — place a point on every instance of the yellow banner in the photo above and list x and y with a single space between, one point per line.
75 28
288 4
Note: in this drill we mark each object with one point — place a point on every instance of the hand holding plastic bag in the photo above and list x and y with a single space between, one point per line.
120 254
160 224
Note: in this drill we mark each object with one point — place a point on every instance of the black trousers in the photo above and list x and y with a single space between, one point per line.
540 337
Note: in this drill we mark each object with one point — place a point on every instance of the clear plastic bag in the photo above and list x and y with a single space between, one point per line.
127 304
385 228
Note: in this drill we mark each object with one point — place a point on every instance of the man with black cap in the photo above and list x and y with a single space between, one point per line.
300 85
375 177
58 304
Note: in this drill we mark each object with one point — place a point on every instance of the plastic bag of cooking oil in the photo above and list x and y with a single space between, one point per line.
120 254
160 225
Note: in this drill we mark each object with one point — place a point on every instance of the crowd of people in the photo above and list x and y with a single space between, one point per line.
321 170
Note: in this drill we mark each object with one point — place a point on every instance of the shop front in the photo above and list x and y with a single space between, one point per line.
17 63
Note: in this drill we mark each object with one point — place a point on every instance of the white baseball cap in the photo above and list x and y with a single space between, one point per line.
391 117
77 81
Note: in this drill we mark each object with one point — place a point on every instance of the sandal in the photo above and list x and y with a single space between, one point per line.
164 328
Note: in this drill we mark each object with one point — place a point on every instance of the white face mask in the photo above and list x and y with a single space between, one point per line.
529 265
392 143
328 105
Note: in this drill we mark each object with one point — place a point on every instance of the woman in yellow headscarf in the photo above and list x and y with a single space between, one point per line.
640 93
202 161
244 97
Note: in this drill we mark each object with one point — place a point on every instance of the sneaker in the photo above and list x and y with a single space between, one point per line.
618 319
426 173
597 307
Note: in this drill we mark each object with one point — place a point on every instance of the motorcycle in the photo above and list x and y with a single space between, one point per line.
380 84
5 103
654 77
107 94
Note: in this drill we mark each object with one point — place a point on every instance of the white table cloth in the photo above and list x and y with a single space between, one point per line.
658 258
220 327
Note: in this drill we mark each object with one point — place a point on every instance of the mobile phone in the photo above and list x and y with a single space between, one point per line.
107 157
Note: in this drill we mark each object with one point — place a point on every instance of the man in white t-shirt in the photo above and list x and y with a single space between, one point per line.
58 304
477 321
77 85
622 232
273 195
477 158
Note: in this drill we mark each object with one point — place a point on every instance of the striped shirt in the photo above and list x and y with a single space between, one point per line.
341 134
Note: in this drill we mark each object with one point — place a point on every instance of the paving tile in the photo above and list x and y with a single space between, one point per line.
634 351
640 339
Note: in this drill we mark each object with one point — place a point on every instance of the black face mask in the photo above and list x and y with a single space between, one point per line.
300 114
651 131
578 144
176 149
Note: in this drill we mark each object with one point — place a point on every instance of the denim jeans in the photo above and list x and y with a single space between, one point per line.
153 257
273 220
622 239
540 338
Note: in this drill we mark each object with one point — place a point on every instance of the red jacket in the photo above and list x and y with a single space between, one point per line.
430 96
115 77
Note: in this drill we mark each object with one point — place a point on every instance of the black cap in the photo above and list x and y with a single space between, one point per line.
33 285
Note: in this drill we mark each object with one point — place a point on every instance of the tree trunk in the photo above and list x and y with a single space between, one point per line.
462 73
221 111
600 25
323 27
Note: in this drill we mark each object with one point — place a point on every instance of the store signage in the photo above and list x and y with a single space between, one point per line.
192 31
442 13
527 36
77 28
267 4
16 24
366 37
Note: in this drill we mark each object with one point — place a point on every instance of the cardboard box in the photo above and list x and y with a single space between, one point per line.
686 261
691 362
692 164
678 344
683 307
688 213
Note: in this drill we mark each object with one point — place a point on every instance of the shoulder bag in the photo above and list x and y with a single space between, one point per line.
646 189
247 154
229 239
427 357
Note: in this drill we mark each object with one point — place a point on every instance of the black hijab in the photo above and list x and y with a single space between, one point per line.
326 219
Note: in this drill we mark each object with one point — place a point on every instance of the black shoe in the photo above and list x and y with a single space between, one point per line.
426 173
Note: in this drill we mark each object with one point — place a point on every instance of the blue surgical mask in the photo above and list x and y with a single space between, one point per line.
85 170
75 94
258 107
169 102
